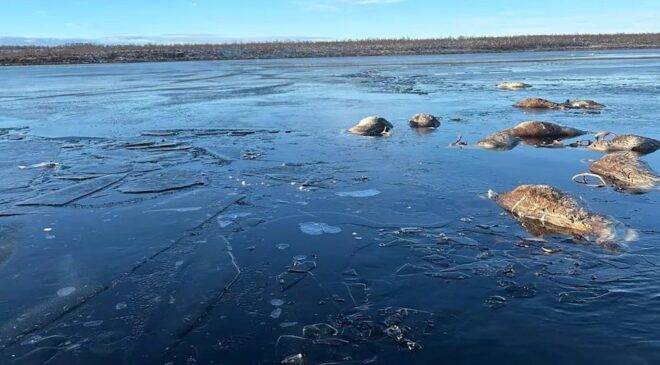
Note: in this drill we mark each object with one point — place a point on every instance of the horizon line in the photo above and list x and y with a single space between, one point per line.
137 40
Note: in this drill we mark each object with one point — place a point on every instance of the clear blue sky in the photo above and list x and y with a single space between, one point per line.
334 19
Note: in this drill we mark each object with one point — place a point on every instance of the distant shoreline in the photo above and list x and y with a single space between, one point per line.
102 54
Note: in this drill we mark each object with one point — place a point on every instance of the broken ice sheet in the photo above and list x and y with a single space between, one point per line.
358 293
495 302
160 157
317 229
225 220
72 193
521 290
358 194
100 169
289 279
7 242
162 181
302 267
410 269
319 330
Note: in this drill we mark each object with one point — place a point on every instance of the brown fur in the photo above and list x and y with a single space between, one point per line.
626 172
555 210
372 126
423 120
499 141
543 134
536 129
626 142
537 103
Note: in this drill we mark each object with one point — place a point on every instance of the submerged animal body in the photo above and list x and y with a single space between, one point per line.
512 85
423 120
499 141
537 133
540 130
538 103
372 126
546 206
626 142
626 172
584 104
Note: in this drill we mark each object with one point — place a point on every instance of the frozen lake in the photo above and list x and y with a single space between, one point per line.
219 213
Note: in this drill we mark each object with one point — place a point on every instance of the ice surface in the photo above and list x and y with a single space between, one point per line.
190 275
317 229
359 193
158 182
74 192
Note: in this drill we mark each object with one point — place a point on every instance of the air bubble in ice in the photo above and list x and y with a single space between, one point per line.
282 246
276 313
276 302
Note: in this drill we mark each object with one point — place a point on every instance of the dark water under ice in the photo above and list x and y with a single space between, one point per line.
260 231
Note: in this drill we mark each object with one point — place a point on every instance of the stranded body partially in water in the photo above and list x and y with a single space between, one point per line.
625 171
584 104
625 142
512 85
538 103
423 120
557 212
373 126
530 132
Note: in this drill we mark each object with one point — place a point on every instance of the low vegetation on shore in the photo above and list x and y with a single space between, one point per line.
95 53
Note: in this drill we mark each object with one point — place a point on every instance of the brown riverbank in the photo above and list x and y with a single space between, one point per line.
94 53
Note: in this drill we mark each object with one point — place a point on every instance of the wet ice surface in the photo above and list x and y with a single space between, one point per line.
168 217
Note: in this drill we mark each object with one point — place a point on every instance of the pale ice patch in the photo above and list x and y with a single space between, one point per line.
93 323
276 313
176 210
66 291
316 229
358 194
226 220
288 324
45 164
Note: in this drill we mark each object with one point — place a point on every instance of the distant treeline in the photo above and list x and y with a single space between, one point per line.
94 53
